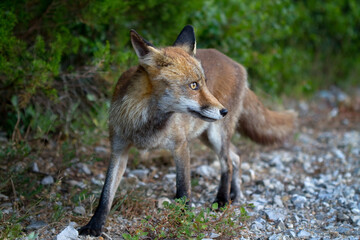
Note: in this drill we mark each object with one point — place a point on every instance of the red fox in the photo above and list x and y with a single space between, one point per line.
177 94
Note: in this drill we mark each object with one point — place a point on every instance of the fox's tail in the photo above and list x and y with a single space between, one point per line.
263 125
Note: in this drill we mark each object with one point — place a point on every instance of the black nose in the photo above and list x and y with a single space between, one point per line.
223 112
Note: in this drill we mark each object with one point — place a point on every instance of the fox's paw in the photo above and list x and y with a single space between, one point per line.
90 230
221 202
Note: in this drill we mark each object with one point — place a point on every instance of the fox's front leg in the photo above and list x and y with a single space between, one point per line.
223 195
117 166
181 155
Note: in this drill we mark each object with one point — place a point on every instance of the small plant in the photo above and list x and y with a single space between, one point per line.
179 221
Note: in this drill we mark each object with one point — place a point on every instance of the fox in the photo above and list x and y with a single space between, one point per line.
176 94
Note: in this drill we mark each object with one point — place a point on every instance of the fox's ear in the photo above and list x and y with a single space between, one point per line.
186 40
140 45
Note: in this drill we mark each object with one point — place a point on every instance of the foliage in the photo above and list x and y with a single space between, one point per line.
179 221
60 59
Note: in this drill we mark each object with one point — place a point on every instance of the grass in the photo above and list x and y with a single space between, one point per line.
179 221
25 198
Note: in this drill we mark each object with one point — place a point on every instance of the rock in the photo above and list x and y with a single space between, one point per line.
279 225
355 220
214 235
69 233
304 107
77 184
35 225
97 182
344 230
35 167
275 237
245 166
160 202
351 138
291 233
274 184
333 113
327 95
259 203
101 176
306 139
170 177
4 197
250 173
338 153
206 171
80 210
258 224
303 234
142 174
245 178
48 180
101 150
355 211
275 214
298 201
84 168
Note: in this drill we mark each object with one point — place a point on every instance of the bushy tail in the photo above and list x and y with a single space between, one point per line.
263 125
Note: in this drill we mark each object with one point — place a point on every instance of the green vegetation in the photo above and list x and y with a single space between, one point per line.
60 59
178 221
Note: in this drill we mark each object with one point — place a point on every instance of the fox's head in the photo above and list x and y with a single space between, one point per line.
177 77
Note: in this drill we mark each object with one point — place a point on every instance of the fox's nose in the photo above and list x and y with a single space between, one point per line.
223 112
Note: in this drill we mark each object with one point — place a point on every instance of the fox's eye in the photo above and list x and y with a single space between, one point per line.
194 86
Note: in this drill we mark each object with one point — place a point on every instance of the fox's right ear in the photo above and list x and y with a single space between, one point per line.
186 40
140 45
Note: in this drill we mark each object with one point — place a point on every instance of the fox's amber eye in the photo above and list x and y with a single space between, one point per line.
194 86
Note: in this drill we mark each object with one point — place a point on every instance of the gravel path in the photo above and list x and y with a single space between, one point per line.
309 189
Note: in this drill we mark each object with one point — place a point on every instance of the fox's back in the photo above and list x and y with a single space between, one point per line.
226 80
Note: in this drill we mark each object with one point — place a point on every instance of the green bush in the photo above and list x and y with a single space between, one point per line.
60 59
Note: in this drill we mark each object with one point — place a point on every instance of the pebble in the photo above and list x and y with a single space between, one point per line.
48 180
298 201
303 234
142 174
338 153
160 202
84 168
275 214
69 233
80 210
77 184
35 167
3 197
97 181
206 171
101 150
170 177
35 225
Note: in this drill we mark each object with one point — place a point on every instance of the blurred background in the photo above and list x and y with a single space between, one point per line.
59 60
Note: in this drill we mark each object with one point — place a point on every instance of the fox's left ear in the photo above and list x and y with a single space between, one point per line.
186 40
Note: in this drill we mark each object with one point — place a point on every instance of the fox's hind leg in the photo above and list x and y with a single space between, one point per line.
117 166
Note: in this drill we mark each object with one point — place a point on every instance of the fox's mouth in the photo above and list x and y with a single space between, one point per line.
201 116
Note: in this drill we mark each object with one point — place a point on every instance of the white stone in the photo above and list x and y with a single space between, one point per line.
69 233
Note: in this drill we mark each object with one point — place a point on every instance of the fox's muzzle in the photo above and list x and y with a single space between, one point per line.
209 114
